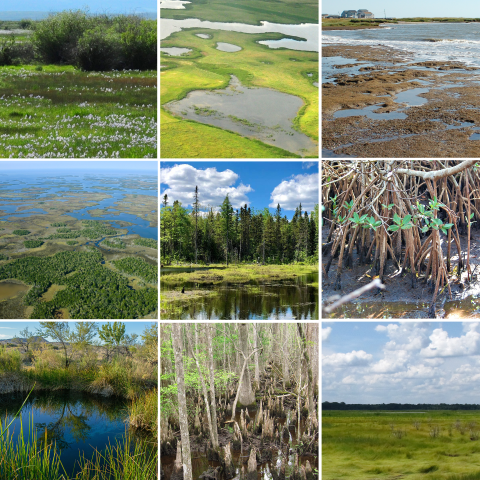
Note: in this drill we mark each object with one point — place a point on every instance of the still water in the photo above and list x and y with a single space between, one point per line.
77 423
260 113
256 300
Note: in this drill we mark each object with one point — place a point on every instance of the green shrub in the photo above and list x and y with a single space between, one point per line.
139 43
32 243
21 232
99 50
10 360
56 37
7 45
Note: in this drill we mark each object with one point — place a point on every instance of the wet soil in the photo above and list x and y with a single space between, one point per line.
443 126
399 299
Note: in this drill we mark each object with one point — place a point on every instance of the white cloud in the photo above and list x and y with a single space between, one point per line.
307 165
299 189
441 345
343 359
213 186
392 362
4 336
326 333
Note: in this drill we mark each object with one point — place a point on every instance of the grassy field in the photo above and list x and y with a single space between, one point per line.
206 68
433 445
353 23
248 11
239 274
62 112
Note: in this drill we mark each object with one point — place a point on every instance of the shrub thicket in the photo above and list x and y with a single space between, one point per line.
97 42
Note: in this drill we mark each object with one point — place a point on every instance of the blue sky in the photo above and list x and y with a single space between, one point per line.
401 362
105 6
259 184
407 8
12 329
114 166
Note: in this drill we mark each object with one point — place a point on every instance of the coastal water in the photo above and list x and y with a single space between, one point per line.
424 41
35 187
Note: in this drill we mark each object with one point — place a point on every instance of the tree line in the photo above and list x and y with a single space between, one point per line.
236 235
399 406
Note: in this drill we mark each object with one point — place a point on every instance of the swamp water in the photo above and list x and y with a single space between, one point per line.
77 423
200 463
10 290
255 300
260 113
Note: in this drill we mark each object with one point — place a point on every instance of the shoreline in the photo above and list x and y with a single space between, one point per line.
439 121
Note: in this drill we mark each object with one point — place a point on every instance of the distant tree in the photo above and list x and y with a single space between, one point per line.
112 335
150 343
83 335
195 213
58 331
227 219
28 339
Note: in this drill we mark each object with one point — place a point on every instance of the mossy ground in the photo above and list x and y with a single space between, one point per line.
207 68
364 445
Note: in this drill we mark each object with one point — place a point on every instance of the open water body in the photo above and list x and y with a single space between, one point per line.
47 186
261 113
425 41
307 31
256 300
77 423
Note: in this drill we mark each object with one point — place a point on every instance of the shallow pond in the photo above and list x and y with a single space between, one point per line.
260 113
228 47
307 31
77 423
10 290
203 35
200 463
175 51
257 300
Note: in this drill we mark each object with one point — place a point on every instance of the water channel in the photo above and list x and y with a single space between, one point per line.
77 423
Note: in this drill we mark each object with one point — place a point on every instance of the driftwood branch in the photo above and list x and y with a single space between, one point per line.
353 295
436 174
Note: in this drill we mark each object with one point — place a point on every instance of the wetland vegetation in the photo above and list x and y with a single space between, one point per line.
239 401
392 440
74 74
213 54
72 265
270 265
86 402
419 229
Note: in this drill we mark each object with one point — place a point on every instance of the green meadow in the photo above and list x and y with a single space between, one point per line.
206 68
428 445
248 11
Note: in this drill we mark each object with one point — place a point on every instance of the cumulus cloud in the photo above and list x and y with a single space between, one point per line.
353 358
3 335
298 189
213 186
307 165
326 333
441 345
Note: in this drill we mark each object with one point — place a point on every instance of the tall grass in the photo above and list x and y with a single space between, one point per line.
10 360
28 457
126 460
143 412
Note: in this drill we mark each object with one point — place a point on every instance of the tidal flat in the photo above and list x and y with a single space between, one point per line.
414 93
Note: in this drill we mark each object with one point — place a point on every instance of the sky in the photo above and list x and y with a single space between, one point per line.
105 6
407 8
12 329
129 166
401 362
257 184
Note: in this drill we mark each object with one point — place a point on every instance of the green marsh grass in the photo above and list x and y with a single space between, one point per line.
143 412
61 112
256 65
363 445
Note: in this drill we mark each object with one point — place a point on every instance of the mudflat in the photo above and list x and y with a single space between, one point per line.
445 125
